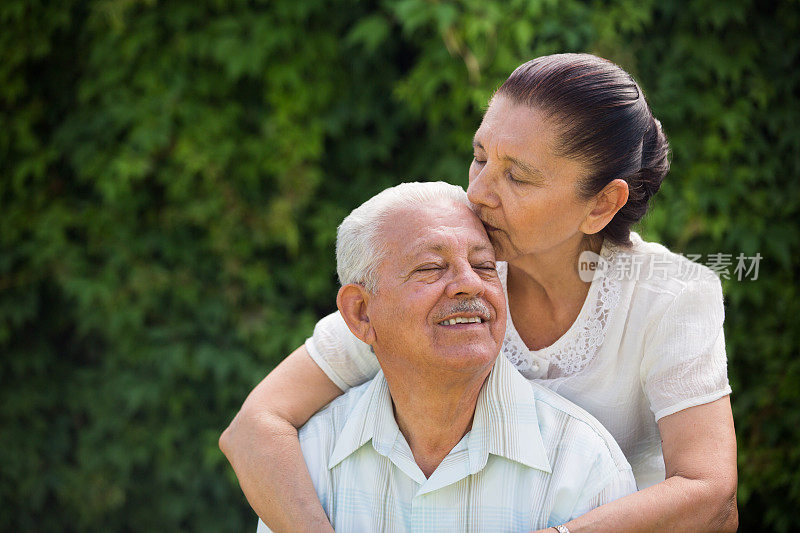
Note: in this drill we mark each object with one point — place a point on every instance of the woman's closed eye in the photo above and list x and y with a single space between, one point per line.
513 179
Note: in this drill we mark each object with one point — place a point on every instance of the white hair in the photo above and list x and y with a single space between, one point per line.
359 247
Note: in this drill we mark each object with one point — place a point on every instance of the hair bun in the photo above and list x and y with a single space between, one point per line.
655 159
645 182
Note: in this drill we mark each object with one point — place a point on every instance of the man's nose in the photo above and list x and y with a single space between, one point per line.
466 282
479 190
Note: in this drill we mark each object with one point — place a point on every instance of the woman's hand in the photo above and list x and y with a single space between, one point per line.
262 446
699 494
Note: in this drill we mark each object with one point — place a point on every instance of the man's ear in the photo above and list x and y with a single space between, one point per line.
352 302
604 206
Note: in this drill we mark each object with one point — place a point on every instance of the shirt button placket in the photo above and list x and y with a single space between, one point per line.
416 519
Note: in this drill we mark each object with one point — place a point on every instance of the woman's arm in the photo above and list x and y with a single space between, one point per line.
262 446
699 494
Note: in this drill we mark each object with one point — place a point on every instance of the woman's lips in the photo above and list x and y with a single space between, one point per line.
486 225
489 227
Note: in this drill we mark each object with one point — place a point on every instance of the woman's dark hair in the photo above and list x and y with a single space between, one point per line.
604 121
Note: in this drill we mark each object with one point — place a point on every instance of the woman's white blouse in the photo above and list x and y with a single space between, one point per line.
647 343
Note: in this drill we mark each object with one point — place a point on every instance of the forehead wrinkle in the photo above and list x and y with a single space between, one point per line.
528 168
524 166
442 248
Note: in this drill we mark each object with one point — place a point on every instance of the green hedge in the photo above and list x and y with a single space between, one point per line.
172 173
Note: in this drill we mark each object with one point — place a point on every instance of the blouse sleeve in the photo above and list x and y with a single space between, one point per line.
345 359
684 363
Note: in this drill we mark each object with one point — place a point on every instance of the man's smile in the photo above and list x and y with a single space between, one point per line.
462 320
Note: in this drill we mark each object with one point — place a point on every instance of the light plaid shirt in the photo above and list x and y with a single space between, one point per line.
531 460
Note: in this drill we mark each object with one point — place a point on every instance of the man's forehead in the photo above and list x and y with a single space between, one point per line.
444 210
434 227
430 243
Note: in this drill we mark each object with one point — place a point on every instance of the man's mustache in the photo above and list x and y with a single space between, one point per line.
474 306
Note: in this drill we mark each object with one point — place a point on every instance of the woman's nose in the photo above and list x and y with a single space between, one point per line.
479 190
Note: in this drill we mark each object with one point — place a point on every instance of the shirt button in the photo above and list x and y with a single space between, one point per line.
535 366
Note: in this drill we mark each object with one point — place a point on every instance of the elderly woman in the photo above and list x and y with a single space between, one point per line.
566 159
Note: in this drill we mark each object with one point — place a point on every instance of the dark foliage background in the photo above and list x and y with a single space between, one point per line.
172 173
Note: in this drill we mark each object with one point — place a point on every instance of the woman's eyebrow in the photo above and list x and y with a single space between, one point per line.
526 167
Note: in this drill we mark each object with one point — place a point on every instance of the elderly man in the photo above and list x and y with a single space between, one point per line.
447 437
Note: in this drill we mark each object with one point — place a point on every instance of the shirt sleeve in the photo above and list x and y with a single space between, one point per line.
345 359
684 361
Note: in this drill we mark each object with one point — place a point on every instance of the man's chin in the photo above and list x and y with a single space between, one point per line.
484 334
468 355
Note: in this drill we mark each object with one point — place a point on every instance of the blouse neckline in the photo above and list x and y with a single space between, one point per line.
572 351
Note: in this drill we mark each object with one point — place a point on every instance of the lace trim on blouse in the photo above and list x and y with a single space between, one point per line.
578 346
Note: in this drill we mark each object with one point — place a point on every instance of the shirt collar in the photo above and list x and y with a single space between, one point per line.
372 418
505 422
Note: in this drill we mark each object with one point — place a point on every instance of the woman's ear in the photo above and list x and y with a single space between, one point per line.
604 206
352 302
